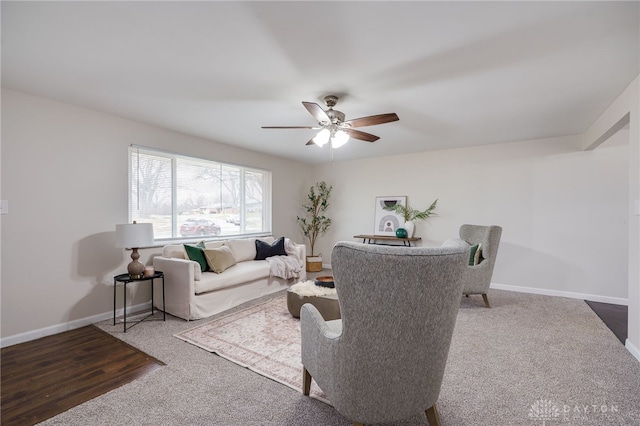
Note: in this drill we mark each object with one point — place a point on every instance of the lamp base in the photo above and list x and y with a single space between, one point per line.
135 268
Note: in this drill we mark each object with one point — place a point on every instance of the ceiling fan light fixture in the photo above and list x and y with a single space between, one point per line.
322 137
339 138
333 126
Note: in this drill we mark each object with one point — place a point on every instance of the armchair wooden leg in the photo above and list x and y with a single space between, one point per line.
486 300
306 382
432 416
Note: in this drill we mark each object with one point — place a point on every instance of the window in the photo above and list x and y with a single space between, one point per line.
187 197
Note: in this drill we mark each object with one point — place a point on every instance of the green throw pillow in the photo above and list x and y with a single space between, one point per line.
474 254
195 252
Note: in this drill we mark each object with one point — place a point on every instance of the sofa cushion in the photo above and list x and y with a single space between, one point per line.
219 259
243 248
264 249
241 273
195 252
174 250
213 244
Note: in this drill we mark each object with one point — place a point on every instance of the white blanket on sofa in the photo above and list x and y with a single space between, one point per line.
287 267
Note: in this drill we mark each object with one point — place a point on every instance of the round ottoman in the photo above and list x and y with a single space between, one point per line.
326 301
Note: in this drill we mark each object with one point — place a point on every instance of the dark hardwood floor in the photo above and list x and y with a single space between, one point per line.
614 316
47 376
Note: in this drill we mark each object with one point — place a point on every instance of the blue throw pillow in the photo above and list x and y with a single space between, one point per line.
264 250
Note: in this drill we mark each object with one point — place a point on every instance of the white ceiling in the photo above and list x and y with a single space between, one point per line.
456 73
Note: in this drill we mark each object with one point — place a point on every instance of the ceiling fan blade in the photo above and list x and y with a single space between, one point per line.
373 120
317 112
289 127
357 134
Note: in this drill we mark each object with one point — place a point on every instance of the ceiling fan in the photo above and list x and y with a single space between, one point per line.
333 126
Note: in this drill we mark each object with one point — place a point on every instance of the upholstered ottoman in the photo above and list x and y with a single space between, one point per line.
323 298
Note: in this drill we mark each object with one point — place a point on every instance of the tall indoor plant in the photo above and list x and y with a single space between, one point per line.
410 215
315 223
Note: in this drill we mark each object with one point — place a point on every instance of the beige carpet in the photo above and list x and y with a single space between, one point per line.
264 338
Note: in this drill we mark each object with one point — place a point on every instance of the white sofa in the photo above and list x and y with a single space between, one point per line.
193 294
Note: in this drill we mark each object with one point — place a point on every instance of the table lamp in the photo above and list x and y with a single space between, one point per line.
134 235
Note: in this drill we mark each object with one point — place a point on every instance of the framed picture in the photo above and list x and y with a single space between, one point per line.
386 222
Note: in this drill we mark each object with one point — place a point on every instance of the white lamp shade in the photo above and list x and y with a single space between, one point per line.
134 235
322 137
339 139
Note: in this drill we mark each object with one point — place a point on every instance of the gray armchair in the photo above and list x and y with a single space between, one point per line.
477 278
385 359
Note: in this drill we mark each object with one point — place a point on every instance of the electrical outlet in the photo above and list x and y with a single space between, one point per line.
4 207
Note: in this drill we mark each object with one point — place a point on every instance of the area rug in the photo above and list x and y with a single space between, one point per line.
264 338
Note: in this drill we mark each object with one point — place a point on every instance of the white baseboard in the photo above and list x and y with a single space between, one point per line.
558 293
634 351
71 325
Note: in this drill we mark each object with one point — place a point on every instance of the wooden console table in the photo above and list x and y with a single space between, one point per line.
371 239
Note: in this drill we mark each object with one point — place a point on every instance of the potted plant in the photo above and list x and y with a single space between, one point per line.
315 223
410 215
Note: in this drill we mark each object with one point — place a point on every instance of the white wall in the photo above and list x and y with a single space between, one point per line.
64 172
627 107
563 211
633 338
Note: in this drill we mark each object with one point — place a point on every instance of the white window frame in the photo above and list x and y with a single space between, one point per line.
133 152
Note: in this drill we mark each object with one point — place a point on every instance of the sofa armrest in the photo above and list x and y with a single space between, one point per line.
179 277
299 251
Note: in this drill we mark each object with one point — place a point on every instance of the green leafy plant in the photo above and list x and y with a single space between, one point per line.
409 214
315 224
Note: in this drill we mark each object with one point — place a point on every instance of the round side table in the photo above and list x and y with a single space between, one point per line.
126 279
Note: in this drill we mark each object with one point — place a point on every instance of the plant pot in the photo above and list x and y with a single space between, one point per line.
314 263
410 227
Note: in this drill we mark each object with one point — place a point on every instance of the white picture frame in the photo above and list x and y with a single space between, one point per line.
387 222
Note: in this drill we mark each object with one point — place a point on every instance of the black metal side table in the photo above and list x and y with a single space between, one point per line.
126 279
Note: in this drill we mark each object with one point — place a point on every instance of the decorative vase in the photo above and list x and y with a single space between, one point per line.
410 227
401 233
